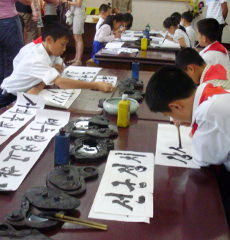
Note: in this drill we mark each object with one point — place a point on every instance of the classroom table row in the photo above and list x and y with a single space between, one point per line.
187 203
149 60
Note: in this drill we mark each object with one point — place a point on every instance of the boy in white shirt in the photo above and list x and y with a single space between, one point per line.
104 11
172 92
214 52
186 21
194 65
42 66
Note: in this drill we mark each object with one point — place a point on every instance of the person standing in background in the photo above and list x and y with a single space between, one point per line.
50 11
218 9
122 6
78 29
11 38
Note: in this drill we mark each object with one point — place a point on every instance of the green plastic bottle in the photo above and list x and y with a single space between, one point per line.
123 113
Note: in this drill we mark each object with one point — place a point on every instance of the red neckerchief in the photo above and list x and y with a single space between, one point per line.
217 47
38 40
216 71
208 91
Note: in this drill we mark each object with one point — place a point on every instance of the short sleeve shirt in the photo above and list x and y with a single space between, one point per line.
7 9
181 34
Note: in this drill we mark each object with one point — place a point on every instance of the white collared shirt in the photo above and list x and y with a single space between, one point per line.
211 141
216 79
32 66
104 34
100 21
215 57
181 34
214 10
191 34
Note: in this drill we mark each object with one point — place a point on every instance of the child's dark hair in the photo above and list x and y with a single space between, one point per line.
167 85
128 18
177 16
209 27
172 21
104 8
56 31
109 20
187 16
188 56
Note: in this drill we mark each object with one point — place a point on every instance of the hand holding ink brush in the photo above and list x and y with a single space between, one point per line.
60 68
179 136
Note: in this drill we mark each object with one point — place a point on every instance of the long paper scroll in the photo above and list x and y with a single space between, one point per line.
19 156
16 117
126 189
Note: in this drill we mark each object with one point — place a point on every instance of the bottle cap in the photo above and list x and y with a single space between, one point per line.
124 96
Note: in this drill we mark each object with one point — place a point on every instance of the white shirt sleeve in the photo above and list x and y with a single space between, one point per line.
178 35
104 34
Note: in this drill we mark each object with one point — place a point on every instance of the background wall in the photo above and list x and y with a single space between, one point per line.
154 12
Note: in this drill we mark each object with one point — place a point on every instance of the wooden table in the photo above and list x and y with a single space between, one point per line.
149 60
187 204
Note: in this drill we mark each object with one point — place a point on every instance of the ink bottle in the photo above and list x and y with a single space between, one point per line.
144 43
61 148
123 113
135 70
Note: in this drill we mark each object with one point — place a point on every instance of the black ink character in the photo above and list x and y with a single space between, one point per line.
15 157
6 171
131 158
50 122
6 125
3 185
141 199
14 118
129 168
21 111
121 200
127 183
27 148
180 155
35 138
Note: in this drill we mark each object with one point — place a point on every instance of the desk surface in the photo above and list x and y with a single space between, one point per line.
187 203
149 60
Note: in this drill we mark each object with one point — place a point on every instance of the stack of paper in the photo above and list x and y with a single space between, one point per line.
81 73
126 189
62 98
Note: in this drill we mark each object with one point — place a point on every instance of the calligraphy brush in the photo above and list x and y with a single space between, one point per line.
179 136
64 218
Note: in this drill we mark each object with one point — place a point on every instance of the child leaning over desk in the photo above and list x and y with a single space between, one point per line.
38 65
172 92
108 31
194 65
214 52
179 33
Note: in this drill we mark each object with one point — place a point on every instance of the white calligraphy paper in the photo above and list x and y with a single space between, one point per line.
81 73
107 79
168 152
113 45
62 98
126 188
16 117
19 156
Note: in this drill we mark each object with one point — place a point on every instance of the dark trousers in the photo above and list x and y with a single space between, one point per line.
221 28
6 98
50 19
223 178
11 41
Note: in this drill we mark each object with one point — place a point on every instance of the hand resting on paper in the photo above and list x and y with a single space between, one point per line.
105 87
36 89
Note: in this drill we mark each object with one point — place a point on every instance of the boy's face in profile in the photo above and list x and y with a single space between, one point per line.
201 39
58 47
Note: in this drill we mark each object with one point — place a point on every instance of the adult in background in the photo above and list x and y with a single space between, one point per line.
78 29
122 6
50 11
218 9
11 38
